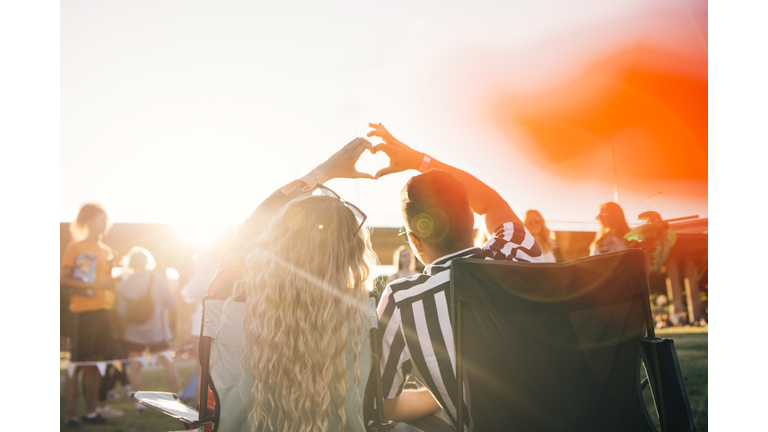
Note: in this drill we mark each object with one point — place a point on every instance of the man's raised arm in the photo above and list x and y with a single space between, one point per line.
483 199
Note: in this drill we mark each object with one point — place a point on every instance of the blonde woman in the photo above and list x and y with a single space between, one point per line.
306 288
405 262
536 225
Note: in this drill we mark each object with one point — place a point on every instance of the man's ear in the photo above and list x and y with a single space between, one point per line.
417 243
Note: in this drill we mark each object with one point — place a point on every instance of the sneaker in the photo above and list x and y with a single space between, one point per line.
97 419
71 423
112 394
140 407
108 412
127 390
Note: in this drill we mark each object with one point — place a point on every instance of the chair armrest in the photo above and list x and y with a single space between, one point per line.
381 426
168 404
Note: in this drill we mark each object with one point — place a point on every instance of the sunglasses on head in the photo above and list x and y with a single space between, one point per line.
326 191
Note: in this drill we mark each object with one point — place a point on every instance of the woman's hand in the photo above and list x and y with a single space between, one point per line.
401 157
342 163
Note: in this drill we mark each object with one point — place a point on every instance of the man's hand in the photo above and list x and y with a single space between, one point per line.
401 157
342 163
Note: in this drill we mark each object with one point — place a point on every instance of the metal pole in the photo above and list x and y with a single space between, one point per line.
615 177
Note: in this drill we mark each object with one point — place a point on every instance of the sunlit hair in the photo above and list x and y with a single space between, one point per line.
544 236
396 259
613 223
79 228
138 258
306 287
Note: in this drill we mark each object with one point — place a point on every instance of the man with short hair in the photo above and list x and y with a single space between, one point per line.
414 314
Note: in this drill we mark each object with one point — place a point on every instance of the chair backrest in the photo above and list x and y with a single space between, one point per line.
226 371
552 347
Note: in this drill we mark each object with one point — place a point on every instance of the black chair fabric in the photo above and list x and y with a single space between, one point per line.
553 347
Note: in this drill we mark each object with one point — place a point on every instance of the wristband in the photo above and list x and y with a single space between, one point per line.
425 163
316 175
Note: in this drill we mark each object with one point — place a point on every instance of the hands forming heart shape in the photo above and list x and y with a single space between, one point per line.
342 163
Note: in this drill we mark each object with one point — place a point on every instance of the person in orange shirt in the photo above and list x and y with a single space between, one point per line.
86 271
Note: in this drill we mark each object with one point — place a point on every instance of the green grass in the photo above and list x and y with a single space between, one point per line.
691 344
133 421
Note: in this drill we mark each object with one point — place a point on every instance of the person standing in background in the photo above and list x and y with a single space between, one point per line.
86 272
536 225
154 334
405 262
613 228
111 374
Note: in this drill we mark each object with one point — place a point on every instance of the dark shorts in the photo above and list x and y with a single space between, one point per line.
65 316
153 348
91 335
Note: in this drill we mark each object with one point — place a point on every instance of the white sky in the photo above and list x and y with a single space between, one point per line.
191 112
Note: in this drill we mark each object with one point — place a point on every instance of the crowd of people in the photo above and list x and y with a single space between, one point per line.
305 280
112 318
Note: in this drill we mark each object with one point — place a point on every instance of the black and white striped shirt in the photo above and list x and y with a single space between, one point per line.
414 314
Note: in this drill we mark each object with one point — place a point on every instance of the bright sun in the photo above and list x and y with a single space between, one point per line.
203 232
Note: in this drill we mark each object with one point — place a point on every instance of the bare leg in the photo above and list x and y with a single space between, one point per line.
133 371
107 382
70 394
170 374
92 384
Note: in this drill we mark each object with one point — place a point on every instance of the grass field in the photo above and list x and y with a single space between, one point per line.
133 421
691 344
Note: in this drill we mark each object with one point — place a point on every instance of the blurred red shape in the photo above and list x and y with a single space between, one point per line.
651 105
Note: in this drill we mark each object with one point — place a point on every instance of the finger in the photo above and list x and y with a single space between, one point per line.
381 147
384 171
353 143
358 174
360 147
363 144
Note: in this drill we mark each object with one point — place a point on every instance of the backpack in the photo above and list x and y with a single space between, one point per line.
141 311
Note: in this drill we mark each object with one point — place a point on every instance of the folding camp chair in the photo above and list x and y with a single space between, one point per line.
226 383
225 390
554 347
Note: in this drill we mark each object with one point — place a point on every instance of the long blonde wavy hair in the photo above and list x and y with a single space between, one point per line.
306 286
